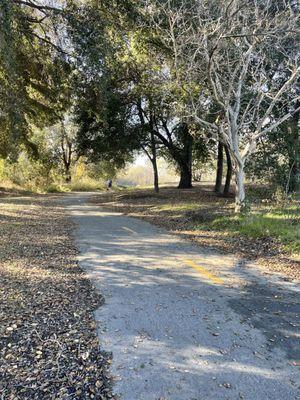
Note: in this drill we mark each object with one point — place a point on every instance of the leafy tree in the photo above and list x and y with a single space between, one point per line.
61 139
30 75
277 158
151 95
104 131
129 108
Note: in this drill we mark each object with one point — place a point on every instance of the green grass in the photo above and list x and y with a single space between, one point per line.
77 185
84 184
282 224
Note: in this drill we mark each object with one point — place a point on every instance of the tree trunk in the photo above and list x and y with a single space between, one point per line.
66 147
293 184
185 177
154 162
240 194
185 160
68 176
229 172
218 184
155 175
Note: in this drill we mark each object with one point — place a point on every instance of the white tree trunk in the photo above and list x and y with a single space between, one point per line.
240 194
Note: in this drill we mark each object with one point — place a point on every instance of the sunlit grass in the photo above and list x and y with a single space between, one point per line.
77 185
178 207
282 224
84 184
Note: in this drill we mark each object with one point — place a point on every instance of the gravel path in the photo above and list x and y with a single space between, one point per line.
183 322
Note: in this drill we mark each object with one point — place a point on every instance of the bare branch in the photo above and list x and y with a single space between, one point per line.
39 7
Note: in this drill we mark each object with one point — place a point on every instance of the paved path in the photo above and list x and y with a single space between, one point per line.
182 322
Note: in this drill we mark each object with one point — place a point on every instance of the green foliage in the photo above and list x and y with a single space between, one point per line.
282 223
28 173
103 170
86 184
45 176
30 78
82 184
278 157
119 71
104 133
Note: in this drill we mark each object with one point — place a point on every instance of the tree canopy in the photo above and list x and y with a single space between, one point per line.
169 78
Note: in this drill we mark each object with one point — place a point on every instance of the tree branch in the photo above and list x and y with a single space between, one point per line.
37 6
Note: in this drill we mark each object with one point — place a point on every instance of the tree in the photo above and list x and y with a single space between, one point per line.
30 70
276 160
226 190
172 137
184 155
127 61
67 148
62 141
219 175
104 133
203 154
148 140
246 53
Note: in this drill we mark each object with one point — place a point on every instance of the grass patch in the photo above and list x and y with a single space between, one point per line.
77 185
85 185
7 188
282 224
178 207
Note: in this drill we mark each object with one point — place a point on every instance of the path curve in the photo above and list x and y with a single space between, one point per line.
182 321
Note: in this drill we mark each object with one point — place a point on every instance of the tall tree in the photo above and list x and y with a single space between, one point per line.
246 54
105 133
148 140
30 70
128 61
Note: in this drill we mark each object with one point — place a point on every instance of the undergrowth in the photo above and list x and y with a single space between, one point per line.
281 223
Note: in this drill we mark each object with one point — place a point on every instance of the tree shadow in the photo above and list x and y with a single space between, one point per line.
164 320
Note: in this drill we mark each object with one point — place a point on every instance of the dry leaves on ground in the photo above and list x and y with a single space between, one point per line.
49 346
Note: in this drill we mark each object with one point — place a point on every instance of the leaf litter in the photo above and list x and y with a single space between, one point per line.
49 347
